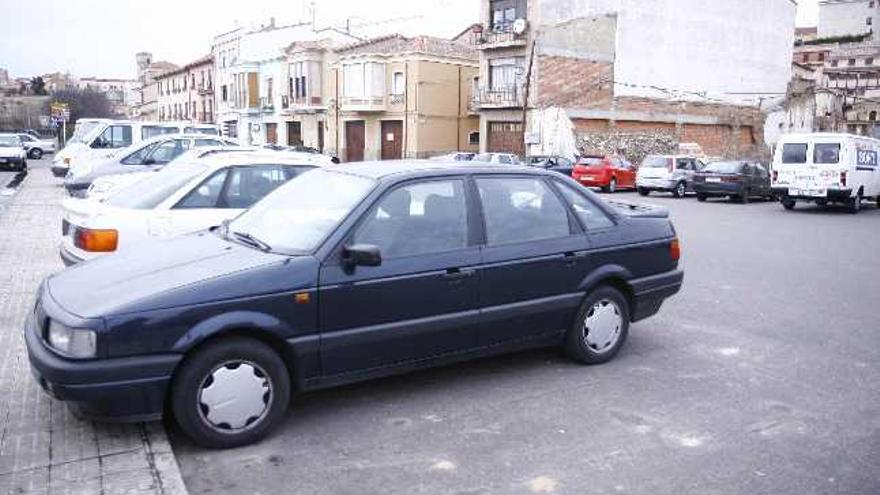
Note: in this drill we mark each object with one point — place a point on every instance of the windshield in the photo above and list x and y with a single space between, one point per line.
794 153
82 129
590 160
8 141
148 193
655 162
724 167
299 215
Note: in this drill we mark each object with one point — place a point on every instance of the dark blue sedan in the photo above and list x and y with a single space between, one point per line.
343 274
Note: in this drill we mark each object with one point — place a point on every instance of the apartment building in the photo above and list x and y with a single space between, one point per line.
187 93
122 93
147 106
691 69
402 97
852 77
848 18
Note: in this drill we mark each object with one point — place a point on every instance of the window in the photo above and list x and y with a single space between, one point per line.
138 157
298 82
474 138
591 216
851 62
206 194
115 136
363 79
415 219
503 14
834 63
167 151
521 210
826 153
247 185
506 73
201 143
872 115
683 164
398 85
869 61
869 21
794 153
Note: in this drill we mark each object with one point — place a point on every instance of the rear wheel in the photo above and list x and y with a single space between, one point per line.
680 190
701 197
788 203
644 191
230 392
611 187
854 205
601 327
744 197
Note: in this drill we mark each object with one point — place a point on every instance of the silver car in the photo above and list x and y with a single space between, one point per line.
151 154
37 147
668 173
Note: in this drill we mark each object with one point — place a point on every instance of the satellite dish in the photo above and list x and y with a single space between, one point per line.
519 26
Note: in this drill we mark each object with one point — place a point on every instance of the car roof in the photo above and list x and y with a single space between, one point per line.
257 157
421 168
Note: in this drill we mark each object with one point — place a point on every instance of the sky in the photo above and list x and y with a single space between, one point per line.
100 37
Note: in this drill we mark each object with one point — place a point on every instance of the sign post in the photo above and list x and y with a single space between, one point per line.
61 113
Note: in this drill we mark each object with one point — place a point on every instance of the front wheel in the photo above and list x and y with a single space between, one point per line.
231 392
701 197
36 153
680 190
854 205
611 188
601 327
644 191
744 198
788 203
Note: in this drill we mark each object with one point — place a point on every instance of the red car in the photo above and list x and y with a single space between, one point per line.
608 172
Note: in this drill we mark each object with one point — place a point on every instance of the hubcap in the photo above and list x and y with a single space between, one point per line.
612 186
235 396
681 189
602 326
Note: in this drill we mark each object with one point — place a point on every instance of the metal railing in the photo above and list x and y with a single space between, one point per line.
396 99
498 34
507 97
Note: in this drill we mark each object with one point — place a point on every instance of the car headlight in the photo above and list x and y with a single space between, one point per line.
72 342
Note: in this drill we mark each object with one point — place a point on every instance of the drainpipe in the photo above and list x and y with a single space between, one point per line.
458 115
405 107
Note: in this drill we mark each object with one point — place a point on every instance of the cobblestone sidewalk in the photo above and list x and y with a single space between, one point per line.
43 448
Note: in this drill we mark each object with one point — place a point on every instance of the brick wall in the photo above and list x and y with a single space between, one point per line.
572 83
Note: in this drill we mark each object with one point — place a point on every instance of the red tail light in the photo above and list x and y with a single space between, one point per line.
843 178
675 249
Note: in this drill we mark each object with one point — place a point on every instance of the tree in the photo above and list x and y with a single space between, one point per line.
38 86
84 103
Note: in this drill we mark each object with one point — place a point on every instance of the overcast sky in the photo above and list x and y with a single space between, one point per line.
100 37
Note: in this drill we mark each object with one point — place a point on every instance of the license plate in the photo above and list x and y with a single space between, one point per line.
713 179
813 193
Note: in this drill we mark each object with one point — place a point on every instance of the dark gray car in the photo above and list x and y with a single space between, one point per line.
738 180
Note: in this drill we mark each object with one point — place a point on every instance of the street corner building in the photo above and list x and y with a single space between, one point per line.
673 71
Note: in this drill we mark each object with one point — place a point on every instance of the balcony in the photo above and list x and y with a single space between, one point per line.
497 98
397 99
364 104
266 104
206 89
501 35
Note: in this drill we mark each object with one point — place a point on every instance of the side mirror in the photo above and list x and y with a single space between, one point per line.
362 255
149 161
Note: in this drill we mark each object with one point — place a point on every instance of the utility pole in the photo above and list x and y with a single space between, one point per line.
526 91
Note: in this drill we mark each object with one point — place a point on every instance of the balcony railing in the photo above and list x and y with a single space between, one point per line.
498 36
396 99
507 97
206 89
266 104
364 103
285 102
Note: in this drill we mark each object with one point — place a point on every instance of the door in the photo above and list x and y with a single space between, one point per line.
321 137
505 137
533 262
627 174
354 141
272 133
392 139
421 302
760 181
294 134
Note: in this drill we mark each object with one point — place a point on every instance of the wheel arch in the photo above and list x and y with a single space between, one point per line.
614 276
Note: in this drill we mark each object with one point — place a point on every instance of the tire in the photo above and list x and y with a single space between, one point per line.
821 203
612 304
230 362
36 153
701 197
788 203
680 190
744 198
854 205
612 186
643 191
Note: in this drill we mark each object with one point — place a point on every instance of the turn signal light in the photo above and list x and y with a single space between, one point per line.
675 250
96 241
775 176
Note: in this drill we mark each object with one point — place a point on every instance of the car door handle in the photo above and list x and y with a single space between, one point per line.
572 258
458 274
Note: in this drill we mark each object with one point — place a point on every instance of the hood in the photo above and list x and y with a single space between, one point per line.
182 271
11 151
69 151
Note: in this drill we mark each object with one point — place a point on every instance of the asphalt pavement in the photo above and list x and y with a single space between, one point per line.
760 377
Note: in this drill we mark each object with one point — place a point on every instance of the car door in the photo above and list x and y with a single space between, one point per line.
628 174
534 258
421 301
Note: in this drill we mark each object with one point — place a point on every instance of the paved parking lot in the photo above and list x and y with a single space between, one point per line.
760 377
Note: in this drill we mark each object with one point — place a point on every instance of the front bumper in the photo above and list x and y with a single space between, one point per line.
60 170
67 257
656 184
588 181
650 292
77 189
12 163
115 390
834 195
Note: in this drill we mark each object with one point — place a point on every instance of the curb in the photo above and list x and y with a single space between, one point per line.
163 463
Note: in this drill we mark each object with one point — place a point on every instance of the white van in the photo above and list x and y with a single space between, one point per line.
108 136
825 168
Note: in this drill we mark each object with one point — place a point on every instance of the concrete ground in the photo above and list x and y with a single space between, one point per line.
760 377
44 449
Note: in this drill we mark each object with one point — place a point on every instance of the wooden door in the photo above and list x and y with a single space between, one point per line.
505 137
272 133
354 141
392 139
294 134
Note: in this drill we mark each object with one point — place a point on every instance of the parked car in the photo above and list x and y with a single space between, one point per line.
737 180
152 154
36 147
558 164
498 158
12 153
108 136
826 168
668 173
458 156
607 172
181 198
406 265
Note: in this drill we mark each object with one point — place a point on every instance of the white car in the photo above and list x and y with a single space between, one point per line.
458 156
498 158
37 147
183 197
12 153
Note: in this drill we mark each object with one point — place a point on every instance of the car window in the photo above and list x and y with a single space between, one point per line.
26 138
521 210
794 153
826 153
167 151
247 185
682 164
417 219
138 157
200 143
700 165
503 159
206 194
564 162
114 136
591 216
761 171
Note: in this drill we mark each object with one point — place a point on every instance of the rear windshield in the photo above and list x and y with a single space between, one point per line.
655 162
794 153
148 193
724 167
590 160
826 153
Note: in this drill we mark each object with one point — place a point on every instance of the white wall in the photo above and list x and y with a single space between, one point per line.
693 46
845 17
